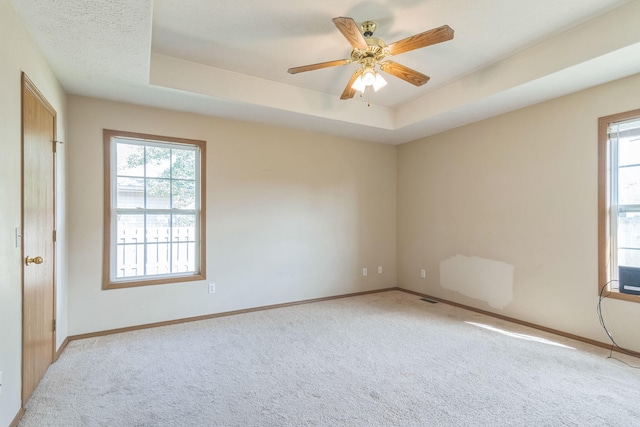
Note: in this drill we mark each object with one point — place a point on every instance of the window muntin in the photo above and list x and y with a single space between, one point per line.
154 221
619 196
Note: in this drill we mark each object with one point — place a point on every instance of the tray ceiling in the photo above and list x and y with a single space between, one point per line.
229 59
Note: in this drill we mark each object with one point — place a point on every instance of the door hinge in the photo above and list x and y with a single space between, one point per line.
55 235
53 325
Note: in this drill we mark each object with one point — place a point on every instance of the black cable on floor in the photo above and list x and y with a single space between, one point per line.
614 344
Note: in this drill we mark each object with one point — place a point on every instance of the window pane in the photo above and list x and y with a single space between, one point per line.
183 258
629 185
130 228
184 236
629 230
184 194
629 257
158 194
184 164
130 261
158 162
184 227
158 228
158 244
130 245
130 159
158 258
629 152
130 193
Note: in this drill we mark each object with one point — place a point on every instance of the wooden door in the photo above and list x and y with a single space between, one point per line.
38 246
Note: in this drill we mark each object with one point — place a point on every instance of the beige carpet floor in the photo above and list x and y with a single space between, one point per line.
386 359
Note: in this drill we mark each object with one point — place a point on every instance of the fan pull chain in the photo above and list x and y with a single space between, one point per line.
367 89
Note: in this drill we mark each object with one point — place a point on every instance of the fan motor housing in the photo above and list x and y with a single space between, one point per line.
377 50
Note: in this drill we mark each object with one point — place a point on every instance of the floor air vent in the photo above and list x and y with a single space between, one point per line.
430 301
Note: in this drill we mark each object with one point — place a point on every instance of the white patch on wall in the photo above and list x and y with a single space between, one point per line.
479 278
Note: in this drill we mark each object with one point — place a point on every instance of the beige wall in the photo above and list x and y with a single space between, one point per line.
291 215
502 214
19 53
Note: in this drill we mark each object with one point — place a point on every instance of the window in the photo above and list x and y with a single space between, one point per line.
154 222
619 205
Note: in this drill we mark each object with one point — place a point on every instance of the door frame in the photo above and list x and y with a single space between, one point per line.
27 84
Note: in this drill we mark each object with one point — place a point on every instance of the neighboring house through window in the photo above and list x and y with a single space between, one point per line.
619 205
154 210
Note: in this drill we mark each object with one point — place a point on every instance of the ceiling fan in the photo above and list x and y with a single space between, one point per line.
370 52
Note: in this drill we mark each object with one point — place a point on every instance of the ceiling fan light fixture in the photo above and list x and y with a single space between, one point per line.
369 78
359 85
379 82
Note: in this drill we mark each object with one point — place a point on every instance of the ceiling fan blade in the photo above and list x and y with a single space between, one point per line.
351 32
312 67
349 92
436 35
405 73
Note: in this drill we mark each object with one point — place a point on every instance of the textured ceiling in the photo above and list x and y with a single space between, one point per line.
230 59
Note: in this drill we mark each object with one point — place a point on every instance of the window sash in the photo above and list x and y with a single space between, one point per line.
146 243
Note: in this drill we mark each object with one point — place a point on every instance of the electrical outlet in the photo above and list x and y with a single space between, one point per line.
379 269
212 288
364 271
423 273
